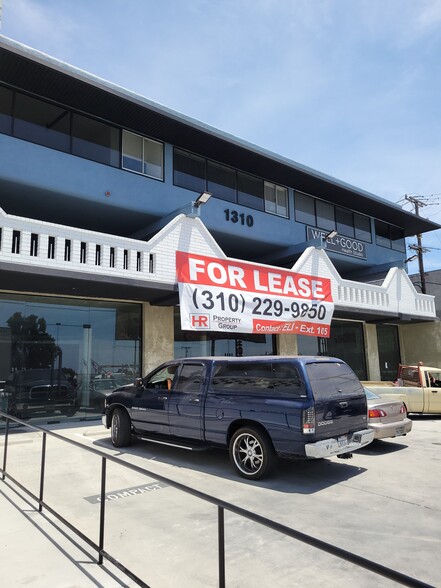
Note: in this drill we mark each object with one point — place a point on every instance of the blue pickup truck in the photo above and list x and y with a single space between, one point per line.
257 407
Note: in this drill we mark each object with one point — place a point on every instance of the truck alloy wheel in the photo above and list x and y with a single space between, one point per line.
251 453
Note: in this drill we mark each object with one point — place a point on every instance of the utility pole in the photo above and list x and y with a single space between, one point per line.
419 246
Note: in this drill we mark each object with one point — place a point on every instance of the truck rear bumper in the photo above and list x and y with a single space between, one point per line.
339 445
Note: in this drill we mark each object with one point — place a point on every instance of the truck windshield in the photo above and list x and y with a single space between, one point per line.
331 379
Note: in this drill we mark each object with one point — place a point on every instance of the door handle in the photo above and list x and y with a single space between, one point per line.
162 397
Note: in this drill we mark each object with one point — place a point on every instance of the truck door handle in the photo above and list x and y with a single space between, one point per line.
162 397
434 391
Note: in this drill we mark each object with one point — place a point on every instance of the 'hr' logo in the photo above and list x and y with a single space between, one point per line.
200 321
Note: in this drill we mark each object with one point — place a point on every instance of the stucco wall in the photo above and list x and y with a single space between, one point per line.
158 336
421 342
371 349
287 345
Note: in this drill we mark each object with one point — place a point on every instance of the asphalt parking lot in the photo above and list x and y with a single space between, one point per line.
383 505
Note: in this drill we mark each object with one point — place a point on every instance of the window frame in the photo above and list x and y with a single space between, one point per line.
143 138
276 188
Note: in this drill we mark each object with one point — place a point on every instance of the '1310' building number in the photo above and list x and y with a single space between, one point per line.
234 217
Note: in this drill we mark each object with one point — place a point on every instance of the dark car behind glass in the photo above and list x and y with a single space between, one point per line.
39 390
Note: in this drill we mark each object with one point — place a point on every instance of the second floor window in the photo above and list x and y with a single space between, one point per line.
324 215
142 155
276 199
198 174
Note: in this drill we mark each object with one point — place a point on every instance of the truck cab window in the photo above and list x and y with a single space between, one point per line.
190 378
162 379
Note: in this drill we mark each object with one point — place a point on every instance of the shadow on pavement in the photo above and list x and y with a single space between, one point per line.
289 476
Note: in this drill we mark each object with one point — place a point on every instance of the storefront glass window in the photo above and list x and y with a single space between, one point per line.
59 358
346 343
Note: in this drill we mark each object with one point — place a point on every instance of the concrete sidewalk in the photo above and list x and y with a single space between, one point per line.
383 505
36 551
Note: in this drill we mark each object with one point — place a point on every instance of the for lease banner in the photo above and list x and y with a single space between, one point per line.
239 297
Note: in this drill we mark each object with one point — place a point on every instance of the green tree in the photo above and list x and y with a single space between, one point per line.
31 346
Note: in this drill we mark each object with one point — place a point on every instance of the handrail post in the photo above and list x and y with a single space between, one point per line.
5 450
102 509
221 545
42 468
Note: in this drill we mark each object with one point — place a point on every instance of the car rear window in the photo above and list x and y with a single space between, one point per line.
331 378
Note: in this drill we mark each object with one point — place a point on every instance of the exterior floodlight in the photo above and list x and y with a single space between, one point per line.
202 199
331 235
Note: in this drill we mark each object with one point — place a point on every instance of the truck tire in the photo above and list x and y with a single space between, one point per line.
120 429
252 453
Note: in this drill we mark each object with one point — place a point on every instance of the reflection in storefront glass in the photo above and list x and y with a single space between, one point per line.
346 343
60 357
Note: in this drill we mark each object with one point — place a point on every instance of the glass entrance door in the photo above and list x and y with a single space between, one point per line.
388 351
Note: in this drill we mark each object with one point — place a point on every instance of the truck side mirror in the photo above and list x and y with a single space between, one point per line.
138 382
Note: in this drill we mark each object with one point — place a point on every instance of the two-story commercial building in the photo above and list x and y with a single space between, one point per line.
100 187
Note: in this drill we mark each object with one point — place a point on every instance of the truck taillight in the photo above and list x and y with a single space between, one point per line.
403 409
376 413
308 421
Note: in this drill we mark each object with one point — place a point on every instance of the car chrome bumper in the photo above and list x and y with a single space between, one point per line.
339 445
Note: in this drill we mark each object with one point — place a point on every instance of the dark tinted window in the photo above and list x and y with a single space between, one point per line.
362 228
278 379
188 171
397 239
325 215
95 140
331 379
305 209
345 222
242 377
382 234
286 380
250 191
5 110
190 378
221 181
40 122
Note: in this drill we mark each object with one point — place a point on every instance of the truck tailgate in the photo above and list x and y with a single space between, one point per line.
340 401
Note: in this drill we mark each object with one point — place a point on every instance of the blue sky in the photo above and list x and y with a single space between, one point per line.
351 88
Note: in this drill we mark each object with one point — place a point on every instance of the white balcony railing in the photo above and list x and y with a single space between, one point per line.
58 247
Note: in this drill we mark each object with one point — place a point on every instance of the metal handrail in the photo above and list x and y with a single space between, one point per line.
221 506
